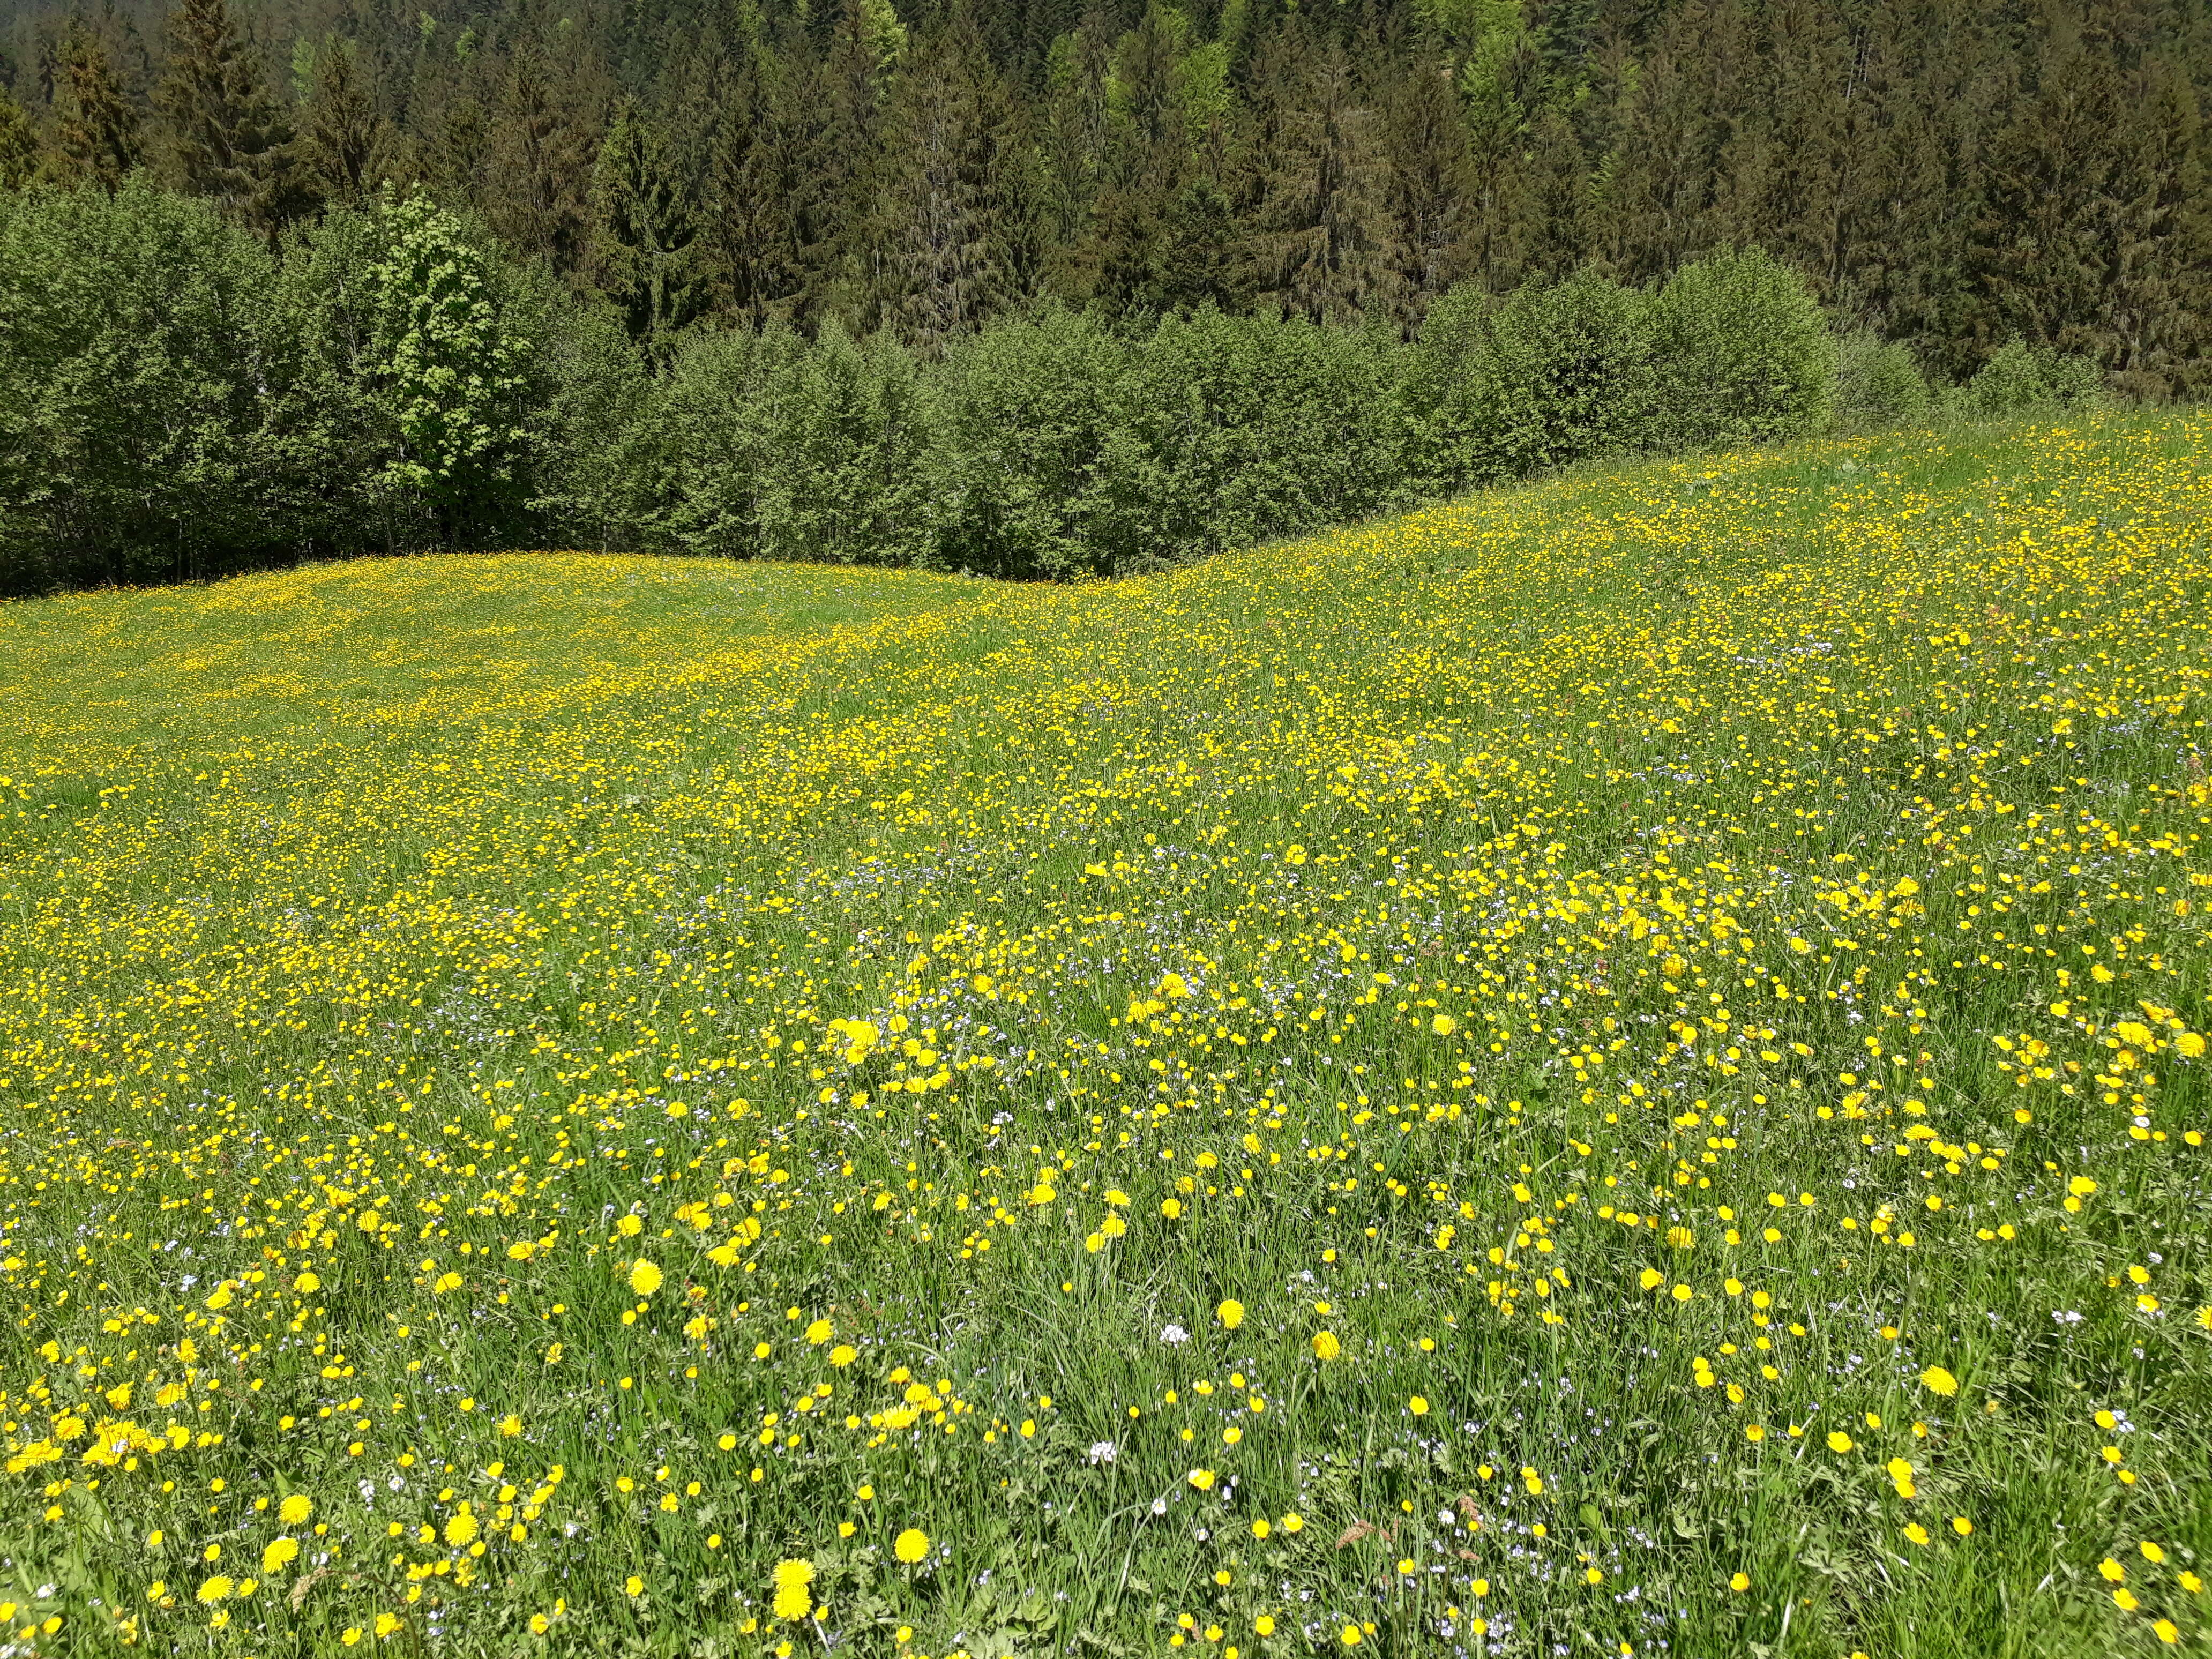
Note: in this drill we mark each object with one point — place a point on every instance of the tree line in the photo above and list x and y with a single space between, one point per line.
179 398
1954 174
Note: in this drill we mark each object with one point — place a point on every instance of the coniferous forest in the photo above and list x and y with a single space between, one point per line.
648 239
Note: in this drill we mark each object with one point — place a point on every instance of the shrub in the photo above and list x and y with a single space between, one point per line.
2020 378
1231 430
1026 411
1741 354
1567 376
133 357
1877 382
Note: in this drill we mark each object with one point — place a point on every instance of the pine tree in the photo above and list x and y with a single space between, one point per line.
229 136
1322 220
2160 288
349 141
96 129
754 194
536 187
2045 235
948 206
19 145
645 230
1427 183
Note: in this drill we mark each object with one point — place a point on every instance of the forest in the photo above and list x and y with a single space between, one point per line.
628 213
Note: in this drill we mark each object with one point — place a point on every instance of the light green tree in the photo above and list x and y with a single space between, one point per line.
445 363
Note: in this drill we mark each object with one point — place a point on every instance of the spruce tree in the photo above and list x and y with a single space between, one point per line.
1427 183
541 145
947 206
755 194
349 142
19 145
1322 217
645 230
229 136
96 129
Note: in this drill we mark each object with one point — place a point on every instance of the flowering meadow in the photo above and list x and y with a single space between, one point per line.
1617 1067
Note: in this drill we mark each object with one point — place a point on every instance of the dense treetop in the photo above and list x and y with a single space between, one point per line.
1952 175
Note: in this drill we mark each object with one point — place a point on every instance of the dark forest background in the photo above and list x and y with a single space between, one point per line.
1952 174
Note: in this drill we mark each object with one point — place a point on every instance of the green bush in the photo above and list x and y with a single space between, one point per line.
1026 411
1877 382
2019 378
1567 376
1232 429
1740 354
135 364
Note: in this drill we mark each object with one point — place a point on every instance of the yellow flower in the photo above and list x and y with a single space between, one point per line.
1326 1346
843 1355
1650 1279
279 1553
1418 1406
633 1585
1936 1380
1741 1582
306 1284
215 1590
1201 1478
461 1529
644 1277
1838 1441
295 1509
1292 1522
1916 1533
1350 1635
818 1333
911 1545
793 1599
1962 1526
1264 1624
1231 1313
1443 1025
386 1625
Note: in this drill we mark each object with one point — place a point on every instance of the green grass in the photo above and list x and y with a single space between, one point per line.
1682 873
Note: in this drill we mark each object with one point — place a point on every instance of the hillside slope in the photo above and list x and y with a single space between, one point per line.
1614 1066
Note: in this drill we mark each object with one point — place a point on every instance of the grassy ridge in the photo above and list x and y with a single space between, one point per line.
1616 1065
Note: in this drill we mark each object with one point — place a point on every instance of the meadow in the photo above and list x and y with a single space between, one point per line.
1614 1067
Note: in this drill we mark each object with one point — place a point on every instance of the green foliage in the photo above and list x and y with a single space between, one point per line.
1877 382
19 145
2020 378
1740 354
133 372
444 356
1027 410
1568 374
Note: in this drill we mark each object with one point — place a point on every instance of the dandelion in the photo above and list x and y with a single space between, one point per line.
295 1509
644 1277
1230 1314
277 1554
793 1599
911 1545
1936 1380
